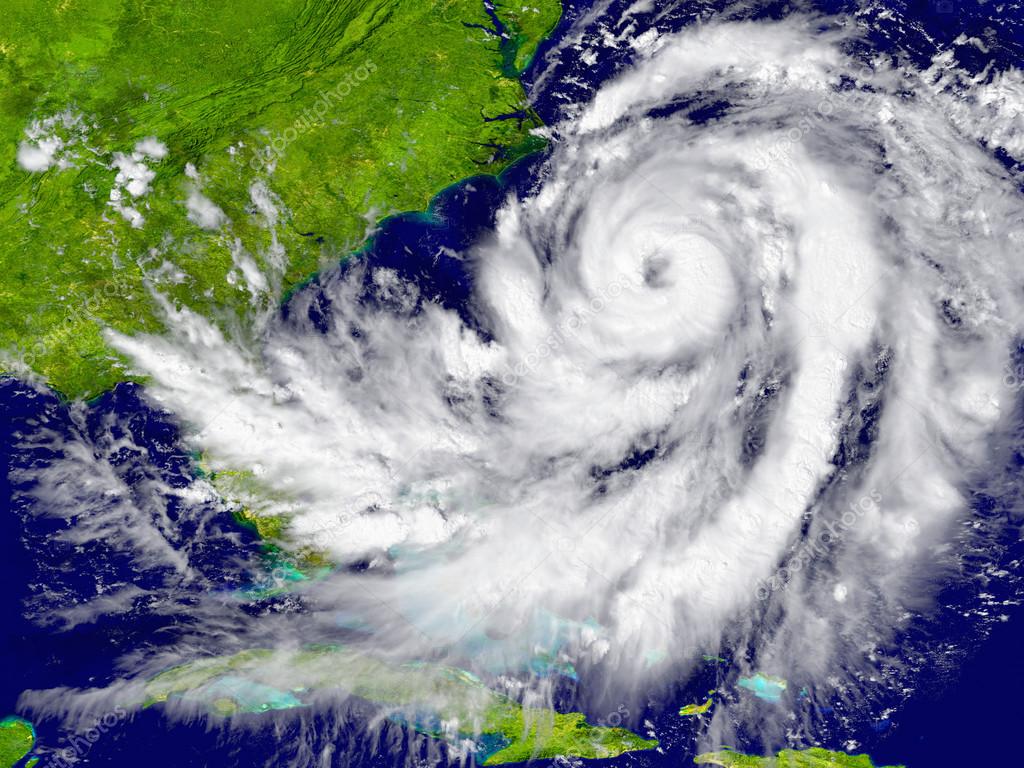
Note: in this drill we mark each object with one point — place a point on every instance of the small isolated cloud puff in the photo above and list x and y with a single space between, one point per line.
38 157
132 173
203 212
151 147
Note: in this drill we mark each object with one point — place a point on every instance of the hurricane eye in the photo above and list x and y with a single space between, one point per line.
656 270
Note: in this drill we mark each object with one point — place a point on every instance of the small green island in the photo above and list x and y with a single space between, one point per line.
17 737
420 695
788 758
691 710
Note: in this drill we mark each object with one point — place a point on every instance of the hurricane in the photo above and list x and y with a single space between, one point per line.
732 370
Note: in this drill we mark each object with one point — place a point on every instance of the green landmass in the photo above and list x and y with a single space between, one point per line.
690 710
527 25
252 501
788 758
222 153
251 497
421 695
17 738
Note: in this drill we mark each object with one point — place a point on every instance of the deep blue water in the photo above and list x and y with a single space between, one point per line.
955 719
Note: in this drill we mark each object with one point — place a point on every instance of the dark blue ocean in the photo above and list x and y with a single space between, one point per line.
959 713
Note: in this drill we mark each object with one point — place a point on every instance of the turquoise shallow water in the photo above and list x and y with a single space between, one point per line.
767 688
250 695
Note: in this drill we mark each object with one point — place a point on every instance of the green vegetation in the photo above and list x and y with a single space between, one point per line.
526 26
223 152
252 501
419 694
16 740
545 734
267 527
697 709
251 498
787 758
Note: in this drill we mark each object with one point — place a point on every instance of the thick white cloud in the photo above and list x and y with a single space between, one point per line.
724 299
203 212
151 147
39 156
49 142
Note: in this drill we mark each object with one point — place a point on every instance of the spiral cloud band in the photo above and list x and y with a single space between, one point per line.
720 355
